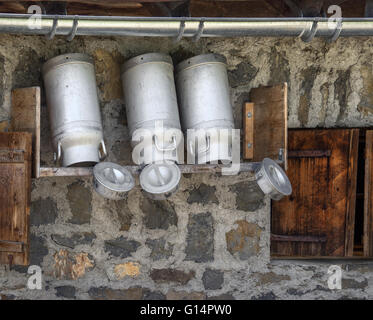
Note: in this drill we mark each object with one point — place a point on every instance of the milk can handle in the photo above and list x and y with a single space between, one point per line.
59 152
165 149
102 155
191 149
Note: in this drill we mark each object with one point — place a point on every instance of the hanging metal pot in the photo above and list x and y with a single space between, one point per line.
273 180
112 181
203 93
74 111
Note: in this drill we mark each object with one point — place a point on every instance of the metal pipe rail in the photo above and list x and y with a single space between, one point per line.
69 26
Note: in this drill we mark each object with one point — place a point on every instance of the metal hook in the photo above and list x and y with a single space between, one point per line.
199 33
337 31
310 35
51 35
72 34
181 31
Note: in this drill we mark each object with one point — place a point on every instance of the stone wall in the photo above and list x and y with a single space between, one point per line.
211 239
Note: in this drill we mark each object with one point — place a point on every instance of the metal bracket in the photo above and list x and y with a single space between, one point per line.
56 8
281 153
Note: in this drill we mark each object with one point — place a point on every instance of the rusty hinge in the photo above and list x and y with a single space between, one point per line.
297 238
309 153
11 155
11 246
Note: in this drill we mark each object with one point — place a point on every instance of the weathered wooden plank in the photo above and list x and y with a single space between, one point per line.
15 194
11 246
248 131
11 156
368 196
205 8
318 205
131 9
351 192
308 153
25 117
234 8
88 7
270 125
296 238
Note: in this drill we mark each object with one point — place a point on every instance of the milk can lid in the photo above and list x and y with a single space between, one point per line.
159 178
275 176
113 177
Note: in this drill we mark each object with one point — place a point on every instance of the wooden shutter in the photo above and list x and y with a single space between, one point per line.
25 117
269 125
318 218
15 190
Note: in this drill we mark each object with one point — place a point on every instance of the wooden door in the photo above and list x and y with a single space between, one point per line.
318 218
15 189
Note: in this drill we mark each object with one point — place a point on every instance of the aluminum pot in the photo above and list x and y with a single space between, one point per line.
272 180
204 100
150 98
74 111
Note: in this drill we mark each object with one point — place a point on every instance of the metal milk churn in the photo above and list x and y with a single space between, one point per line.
152 111
74 111
204 100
